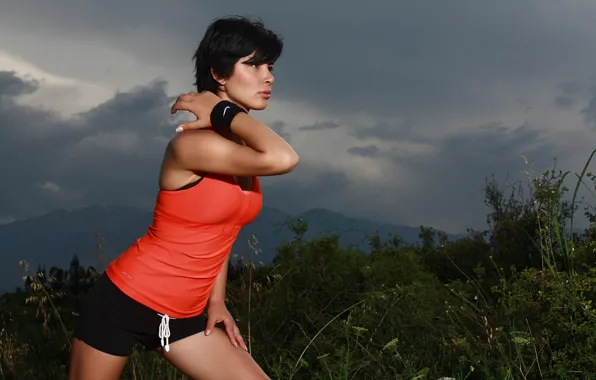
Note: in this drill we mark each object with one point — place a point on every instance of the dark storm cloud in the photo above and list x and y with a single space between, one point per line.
11 85
393 57
481 151
109 154
426 64
446 185
384 57
441 184
28 138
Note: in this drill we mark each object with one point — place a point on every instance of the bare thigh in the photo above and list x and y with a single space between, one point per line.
87 363
213 358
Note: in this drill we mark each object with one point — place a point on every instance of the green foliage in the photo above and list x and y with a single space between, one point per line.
512 302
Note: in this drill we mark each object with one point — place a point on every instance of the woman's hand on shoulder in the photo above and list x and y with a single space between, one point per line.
264 153
200 104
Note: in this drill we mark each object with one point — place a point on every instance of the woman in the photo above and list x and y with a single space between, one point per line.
156 292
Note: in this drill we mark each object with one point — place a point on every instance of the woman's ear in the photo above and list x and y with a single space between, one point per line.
221 81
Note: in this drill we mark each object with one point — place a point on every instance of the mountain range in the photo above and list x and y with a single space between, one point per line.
97 234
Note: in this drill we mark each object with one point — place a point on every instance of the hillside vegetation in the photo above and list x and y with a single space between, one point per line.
512 302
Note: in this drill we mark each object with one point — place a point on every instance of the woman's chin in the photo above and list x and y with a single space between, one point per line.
259 106
256 105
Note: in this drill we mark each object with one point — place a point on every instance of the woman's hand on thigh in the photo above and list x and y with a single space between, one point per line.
218 313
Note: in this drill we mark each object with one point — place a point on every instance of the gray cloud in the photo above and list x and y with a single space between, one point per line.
406 58
365 151
281 128
320 126
589 111
12 86
445 185
385 57
387 131
109 154
432 76
571 94
565 101
310 186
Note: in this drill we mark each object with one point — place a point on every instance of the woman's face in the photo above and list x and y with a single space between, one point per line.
249 85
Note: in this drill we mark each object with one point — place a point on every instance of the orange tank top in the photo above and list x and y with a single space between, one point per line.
173 267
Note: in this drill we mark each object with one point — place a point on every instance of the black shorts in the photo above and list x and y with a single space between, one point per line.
114 323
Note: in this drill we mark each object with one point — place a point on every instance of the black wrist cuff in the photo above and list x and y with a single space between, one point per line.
223 113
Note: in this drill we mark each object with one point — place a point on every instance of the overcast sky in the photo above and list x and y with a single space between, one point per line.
399 109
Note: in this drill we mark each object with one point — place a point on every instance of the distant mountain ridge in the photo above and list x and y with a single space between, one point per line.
54 238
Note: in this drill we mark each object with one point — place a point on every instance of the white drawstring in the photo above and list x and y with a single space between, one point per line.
164 330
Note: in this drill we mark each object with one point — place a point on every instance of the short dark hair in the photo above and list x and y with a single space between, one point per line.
228 39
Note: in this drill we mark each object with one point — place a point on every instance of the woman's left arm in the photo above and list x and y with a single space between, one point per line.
218 312
218 293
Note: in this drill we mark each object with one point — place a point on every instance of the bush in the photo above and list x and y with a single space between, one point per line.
513 302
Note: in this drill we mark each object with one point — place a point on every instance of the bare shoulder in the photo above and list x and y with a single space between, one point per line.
195 144
201 150
193 139
208 151
185 146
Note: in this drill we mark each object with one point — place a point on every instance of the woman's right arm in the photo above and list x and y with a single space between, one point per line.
265 152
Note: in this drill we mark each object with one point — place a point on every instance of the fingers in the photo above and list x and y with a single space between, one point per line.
210 325
180 105
234 334
187 102
230 327
239 338
183 102
232 331
197 124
